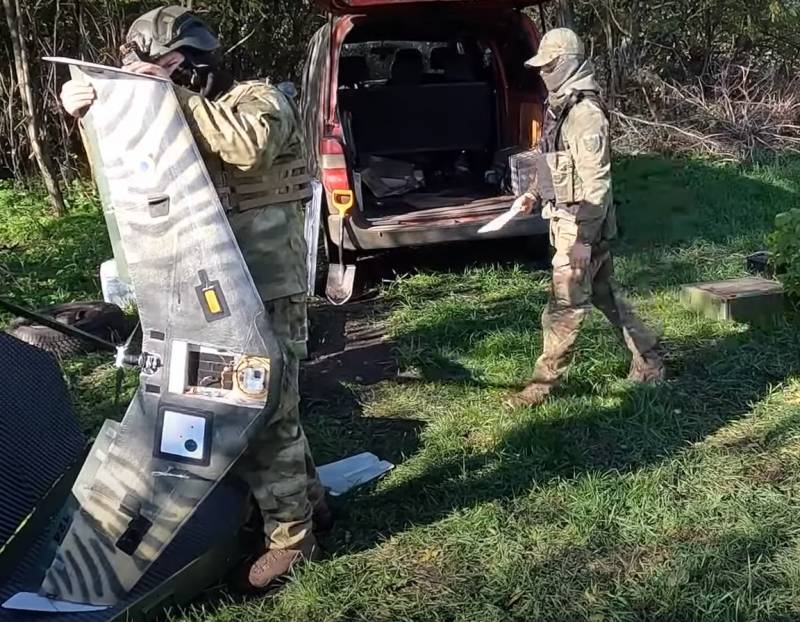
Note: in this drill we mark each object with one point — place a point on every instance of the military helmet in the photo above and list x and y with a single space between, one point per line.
555 43
169 28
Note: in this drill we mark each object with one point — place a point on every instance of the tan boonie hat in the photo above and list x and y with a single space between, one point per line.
555 43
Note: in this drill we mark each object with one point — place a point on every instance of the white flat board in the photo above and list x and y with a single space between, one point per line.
343 475
97 67
28 601
502 220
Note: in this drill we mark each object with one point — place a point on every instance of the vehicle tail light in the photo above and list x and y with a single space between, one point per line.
334 175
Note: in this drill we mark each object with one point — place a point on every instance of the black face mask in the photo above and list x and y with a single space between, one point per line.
217 82
186 76
202 75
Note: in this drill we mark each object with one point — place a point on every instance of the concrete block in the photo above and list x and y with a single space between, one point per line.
752 299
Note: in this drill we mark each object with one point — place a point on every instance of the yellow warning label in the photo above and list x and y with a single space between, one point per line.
212 301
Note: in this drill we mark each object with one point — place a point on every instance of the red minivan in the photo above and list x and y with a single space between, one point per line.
411 111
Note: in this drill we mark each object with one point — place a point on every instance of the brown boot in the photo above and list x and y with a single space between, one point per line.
647 369
532 395
277 563
323 517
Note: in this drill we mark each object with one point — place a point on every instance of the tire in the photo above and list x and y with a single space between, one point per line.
98 318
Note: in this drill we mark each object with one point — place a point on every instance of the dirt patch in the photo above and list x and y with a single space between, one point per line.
349 350
347 344
772 469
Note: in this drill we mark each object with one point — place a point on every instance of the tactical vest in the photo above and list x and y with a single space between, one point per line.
555 170
265 217
286 181
551 133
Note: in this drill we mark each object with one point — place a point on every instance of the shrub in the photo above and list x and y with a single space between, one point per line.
784 244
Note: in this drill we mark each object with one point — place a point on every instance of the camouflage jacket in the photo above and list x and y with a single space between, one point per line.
243 135
584 171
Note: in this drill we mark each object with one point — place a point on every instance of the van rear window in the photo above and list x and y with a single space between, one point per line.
380 55
381 62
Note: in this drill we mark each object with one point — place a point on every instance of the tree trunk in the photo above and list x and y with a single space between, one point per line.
17 29
566 14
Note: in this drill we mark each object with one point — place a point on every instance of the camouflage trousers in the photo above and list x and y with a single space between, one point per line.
572 296
277 466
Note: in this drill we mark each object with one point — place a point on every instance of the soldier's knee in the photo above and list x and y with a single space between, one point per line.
571 288
563 312
290 486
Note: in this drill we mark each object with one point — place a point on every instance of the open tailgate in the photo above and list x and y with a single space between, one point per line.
342 7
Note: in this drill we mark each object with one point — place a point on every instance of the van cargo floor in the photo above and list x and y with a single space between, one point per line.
424 208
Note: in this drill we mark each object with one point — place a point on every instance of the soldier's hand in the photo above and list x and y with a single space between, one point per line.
580 256
524 203
77 97
148 69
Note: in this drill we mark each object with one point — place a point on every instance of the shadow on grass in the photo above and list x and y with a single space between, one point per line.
674 202
348 347
532 253
663 202
714 387
599 582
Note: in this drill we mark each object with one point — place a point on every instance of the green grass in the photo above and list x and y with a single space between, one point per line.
611 502
46 260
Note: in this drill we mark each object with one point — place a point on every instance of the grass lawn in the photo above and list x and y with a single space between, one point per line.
612 502
46 261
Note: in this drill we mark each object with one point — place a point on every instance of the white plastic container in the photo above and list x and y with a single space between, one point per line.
115 290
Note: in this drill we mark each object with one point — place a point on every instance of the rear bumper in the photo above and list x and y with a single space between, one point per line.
359 237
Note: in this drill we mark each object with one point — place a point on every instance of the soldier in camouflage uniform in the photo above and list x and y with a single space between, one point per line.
249 135
577 154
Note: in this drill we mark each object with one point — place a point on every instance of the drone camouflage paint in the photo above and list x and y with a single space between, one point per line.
210 364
